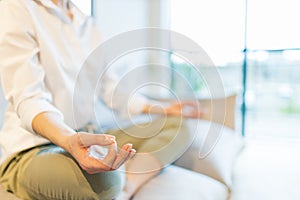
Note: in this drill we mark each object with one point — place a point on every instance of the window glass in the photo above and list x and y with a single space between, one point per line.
273 94
273 24
216 25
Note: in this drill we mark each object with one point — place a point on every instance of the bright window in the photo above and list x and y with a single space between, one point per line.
84 5
216 25
273 24
273 44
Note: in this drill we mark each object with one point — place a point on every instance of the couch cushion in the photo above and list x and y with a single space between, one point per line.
176 183
213 151
6 195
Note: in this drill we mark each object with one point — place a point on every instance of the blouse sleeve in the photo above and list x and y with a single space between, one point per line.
22 76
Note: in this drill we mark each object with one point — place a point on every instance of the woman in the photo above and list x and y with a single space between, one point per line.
42 46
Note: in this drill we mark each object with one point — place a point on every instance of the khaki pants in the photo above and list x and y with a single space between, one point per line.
48 172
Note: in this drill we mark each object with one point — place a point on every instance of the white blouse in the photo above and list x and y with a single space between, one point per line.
41 53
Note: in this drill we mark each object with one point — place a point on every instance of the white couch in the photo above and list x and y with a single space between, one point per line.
204 171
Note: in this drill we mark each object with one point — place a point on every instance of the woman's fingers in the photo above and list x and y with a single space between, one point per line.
114 160
123 156
132 153
90 151
111 156
92 165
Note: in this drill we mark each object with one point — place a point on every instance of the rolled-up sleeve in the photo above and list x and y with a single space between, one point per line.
22 76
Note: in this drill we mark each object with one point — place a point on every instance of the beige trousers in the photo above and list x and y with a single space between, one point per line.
48 172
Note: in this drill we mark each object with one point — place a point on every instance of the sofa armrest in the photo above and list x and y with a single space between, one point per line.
220 110
216 144
213 151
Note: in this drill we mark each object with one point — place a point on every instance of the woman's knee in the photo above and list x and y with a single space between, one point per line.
106 185
56 175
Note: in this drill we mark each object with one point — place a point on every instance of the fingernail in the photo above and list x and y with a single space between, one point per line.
133 151
127 146
112 140
109 139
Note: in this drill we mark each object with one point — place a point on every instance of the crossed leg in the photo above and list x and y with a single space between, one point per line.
48 172
158 144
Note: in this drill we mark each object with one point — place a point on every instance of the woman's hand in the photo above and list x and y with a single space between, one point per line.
79 146
52 127
189 109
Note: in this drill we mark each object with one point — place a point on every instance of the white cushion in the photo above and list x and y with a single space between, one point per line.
213 151
176 183
6 195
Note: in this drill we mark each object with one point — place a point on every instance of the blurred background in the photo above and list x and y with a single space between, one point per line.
254 44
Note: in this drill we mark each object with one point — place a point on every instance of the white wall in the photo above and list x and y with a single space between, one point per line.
118 16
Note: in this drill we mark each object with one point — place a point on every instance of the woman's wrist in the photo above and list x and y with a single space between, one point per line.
64 140
52 127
